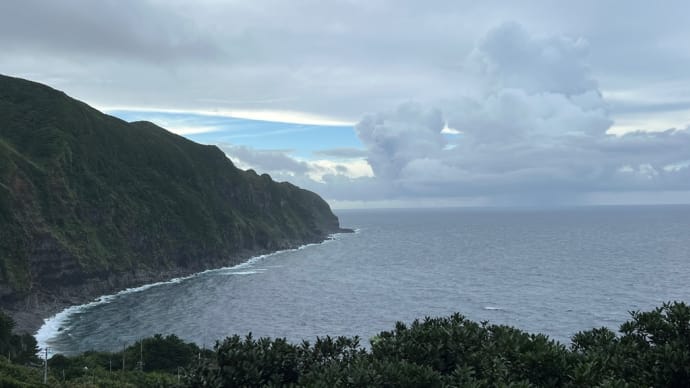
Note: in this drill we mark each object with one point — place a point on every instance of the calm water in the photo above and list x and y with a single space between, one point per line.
555 271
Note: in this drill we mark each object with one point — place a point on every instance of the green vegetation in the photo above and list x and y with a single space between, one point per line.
19 348
86 197
652 350
154 362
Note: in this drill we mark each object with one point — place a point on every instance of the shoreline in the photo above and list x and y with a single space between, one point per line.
30 312
52 317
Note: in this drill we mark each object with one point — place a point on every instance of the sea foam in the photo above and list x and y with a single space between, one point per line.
58 322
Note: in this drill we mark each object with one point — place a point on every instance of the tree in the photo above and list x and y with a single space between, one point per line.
20 349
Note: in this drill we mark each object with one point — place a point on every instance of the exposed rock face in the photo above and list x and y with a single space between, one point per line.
90 204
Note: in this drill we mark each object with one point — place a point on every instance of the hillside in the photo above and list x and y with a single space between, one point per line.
91 204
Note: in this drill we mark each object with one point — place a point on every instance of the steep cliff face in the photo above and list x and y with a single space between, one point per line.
90 203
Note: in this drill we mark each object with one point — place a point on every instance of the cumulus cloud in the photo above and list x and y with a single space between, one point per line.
282 166
534 88
320 169
539 129
525 109
264 160
537 133
511 58
395 138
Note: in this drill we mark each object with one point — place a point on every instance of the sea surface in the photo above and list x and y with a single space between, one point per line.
556 271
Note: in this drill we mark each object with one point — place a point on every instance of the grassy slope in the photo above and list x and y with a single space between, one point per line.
83 194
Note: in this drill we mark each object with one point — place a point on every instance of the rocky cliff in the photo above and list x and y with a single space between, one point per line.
90 204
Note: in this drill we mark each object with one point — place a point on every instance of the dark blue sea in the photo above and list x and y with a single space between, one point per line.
555 271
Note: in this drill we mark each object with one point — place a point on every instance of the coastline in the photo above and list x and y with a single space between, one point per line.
46 319
30 312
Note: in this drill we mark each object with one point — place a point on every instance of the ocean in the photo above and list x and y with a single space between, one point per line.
553 271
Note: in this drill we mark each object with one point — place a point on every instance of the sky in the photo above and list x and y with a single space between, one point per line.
391 103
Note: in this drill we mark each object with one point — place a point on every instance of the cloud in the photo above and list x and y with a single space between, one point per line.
395 138
511 58
343 152
537 132
338 60
533 104
264 160
535 138
136 30
282 166
320 170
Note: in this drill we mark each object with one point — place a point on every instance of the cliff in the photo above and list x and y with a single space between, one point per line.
90 204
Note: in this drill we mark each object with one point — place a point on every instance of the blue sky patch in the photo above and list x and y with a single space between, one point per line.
301 139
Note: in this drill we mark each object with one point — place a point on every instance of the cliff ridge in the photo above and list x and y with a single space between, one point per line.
90 204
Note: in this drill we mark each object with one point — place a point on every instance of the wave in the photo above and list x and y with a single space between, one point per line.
248 272
58 322
493 308
244 273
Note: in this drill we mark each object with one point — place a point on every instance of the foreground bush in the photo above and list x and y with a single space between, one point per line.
652 349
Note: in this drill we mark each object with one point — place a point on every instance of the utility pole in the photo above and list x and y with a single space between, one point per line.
45 368
141 355
123 357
